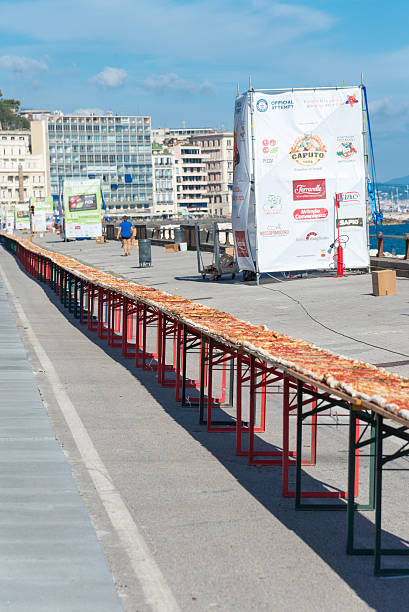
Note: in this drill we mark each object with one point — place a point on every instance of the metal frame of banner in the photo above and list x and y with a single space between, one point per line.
251 91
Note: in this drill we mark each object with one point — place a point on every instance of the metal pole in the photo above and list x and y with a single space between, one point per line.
216 249
231 381
199 262
366 160
184 353
351 484
253 181
299 445
202 380
303 88
378 495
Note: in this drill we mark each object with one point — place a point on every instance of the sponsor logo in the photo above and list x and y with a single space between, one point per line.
241 244
311 236
308 150
269 150
273 204
352 222
306 214
236 154
242 132
274 233
269 146
346 149
310 189
282 104
323 254
324 103
352 100
349 197
262 105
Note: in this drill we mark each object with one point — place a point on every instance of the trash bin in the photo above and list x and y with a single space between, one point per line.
145 257
179 235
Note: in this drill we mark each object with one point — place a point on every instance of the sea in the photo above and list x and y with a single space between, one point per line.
395 247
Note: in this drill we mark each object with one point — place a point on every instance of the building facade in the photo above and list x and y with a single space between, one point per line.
218 150
172 136
24 167
191 179
114 149
210 190
164 183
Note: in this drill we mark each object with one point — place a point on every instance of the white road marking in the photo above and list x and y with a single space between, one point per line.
156 590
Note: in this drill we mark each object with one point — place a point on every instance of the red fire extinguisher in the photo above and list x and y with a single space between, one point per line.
340 251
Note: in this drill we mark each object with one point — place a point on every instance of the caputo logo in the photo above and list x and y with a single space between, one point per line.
308 150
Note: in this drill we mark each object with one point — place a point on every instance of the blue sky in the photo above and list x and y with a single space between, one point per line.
181 60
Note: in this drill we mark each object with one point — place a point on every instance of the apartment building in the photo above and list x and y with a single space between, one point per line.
24 167
115 149
172 136
164 183
217 147
191 179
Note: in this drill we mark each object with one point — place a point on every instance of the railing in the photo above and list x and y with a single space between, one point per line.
381 237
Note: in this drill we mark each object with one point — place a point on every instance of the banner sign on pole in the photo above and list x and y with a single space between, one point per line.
82 208
21 217
46 206
9 220
308 146
243 221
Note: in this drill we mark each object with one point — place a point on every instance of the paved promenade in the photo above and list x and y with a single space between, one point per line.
184 524
50 558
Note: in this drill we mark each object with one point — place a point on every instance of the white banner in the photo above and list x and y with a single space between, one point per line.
9 220
38 221
308 147
21 217
243 221
82 208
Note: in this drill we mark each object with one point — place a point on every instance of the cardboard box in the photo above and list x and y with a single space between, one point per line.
230 251
171 248
100 240
384 282
134 244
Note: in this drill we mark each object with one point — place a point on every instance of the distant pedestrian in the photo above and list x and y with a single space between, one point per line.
125 233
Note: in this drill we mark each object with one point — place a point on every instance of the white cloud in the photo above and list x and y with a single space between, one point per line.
389 116
172 82
82 112
110 77
21 64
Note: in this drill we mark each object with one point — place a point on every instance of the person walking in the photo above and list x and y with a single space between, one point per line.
125 232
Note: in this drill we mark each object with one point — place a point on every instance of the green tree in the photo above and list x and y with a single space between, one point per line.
9 117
